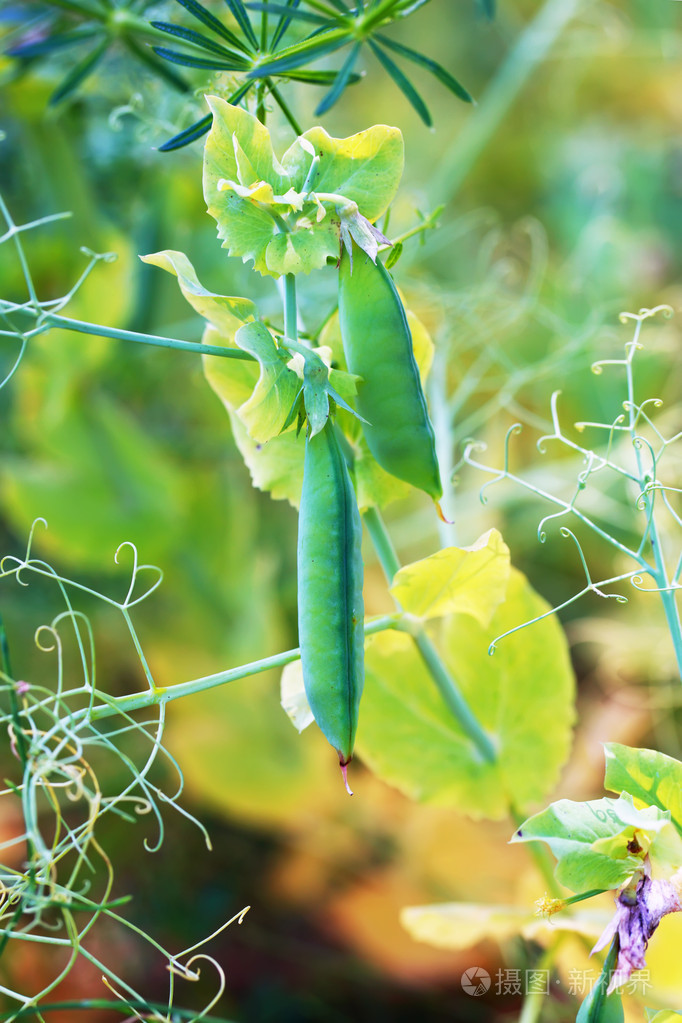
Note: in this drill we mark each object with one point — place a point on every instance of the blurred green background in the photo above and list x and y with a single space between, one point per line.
563 205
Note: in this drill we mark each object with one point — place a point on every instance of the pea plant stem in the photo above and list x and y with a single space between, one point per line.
383 545
449 690
158 696
14 703
123 1008
599 990
442 678
534 1001
97 329
660 572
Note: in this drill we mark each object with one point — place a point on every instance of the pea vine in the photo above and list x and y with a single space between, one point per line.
633 436
57 881
334 419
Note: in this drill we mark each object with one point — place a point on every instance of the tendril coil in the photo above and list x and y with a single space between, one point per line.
56 880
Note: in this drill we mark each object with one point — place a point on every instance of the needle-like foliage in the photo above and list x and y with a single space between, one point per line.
260 44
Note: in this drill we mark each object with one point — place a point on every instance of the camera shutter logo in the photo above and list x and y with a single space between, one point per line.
475 981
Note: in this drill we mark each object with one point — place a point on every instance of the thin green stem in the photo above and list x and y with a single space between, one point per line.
81 327
5 667
598 994
383 545
660 574
447 686
20 739
535 1000
12 227
567 506
452 696
9 930
261 112
284 107
427 224
124 1008
264 31
156 697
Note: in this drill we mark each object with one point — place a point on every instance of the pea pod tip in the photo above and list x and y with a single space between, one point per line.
343 764
441 516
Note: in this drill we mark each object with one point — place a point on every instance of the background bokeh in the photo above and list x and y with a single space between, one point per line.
562 193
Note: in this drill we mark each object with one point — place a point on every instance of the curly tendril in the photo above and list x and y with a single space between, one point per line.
630 455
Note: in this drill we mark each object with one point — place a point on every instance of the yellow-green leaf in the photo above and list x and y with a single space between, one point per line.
277 466
265 411
365 168
522 696
306 248
648 775
266 212
225 313
243 225
374 487
471 580
592 840
233 380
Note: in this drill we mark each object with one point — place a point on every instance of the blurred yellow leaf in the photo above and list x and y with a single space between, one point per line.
459 925
471 580
240 754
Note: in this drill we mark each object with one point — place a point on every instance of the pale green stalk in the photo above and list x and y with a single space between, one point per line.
660 574
447 686
66 323
159 696
533 1003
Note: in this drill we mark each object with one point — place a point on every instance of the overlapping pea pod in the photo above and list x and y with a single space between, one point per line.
378 347
330 605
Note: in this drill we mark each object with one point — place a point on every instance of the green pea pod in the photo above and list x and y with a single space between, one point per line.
330 607
378 347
